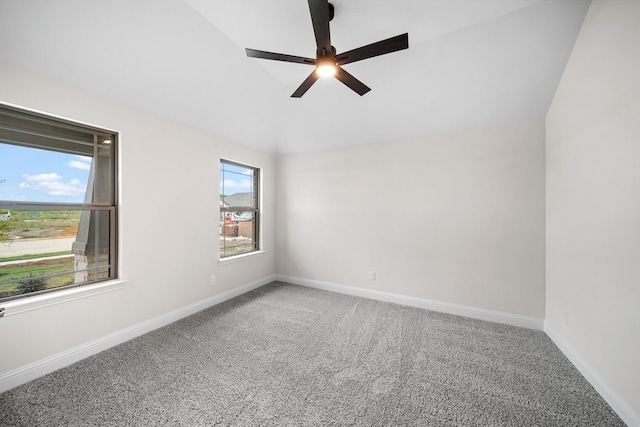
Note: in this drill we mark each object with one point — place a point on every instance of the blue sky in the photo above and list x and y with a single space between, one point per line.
33 175
235 179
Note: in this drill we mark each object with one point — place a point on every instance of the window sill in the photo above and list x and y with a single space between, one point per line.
27 304
238 258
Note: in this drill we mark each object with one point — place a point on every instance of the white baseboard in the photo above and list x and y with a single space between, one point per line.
443 307
50 364
620 407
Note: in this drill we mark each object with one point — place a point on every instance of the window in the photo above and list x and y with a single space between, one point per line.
239 208
57 204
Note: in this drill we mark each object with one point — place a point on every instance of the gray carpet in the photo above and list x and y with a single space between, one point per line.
285 355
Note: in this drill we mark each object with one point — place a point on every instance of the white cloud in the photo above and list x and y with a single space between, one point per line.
52 185
82 163
41 177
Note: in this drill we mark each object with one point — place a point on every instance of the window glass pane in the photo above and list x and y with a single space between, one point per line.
43 250
37 175
102 191
237 233
239 215
237 186
92 246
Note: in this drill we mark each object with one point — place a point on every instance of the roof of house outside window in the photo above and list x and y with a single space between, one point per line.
239 199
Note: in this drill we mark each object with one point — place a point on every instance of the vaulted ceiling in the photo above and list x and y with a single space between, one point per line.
470 63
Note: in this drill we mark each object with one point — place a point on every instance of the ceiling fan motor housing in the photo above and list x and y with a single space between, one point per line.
322 53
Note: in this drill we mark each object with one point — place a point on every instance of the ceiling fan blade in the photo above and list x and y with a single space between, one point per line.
382 47
279 57
309 81
355 84
320 19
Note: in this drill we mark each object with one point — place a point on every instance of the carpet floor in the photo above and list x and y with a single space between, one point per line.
285 355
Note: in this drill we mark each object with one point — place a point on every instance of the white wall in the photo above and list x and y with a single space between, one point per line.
168 223
455 218
593 202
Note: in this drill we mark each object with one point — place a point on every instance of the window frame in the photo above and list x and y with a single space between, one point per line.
255 209
44 131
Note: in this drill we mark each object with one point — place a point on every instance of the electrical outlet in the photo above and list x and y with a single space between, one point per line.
372 275
212 280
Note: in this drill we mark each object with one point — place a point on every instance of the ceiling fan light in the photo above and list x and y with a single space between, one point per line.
326 67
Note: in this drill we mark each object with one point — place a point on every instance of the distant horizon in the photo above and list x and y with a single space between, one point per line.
233 194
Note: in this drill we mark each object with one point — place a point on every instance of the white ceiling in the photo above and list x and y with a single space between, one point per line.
470 63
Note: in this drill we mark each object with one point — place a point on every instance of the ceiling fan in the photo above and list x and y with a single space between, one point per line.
327 62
